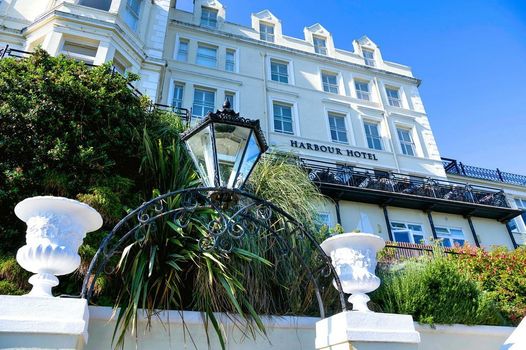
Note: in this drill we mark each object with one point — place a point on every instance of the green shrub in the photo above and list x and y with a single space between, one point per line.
435 291
501 273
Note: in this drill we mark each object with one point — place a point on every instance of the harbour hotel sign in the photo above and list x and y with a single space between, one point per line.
333 150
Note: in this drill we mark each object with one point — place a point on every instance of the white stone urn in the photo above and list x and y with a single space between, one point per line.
353 256
56 227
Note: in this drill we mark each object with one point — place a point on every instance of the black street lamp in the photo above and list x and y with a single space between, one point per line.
225 148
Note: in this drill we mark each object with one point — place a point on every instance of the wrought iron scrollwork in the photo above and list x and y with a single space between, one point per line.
228 225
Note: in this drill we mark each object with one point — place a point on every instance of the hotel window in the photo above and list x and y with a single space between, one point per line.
513 224
450 237
406 141
407 233
204 101
393 97
368 56
337 127
182 51
320 45
282 118
330 82
266 32
177 100
80 52
208 17
362 90
230 97
323 218
374 140
119 66
103 5
206 56
279 71
230 60
133 9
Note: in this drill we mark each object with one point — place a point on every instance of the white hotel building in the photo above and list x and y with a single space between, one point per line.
356 121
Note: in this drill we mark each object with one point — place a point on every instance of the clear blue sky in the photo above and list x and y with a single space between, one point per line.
470 55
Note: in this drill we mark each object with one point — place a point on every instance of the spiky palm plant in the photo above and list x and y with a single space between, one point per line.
165 268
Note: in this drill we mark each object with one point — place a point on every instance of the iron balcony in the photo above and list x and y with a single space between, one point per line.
407 191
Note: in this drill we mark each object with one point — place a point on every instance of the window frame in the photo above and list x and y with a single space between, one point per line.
335 115
134 13
280 103
369 61
392 101
204 106
404 143
209 22
411 232
280 62
449 236
233 102
520 203
320 50
175 85
327 85
233 53
198 56
377 125
265 35
178 52
360 93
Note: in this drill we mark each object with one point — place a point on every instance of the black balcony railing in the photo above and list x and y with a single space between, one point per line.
183 113
414 192
452 166
323 172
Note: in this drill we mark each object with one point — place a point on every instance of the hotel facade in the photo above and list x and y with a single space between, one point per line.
356 122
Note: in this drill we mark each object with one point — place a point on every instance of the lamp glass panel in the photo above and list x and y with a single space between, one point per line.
200 149
231 141
251 155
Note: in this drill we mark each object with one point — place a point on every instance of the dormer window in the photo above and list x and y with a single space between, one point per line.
320 45
266 32
208 17
368 56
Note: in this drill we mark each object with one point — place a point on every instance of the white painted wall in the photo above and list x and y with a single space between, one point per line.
283 333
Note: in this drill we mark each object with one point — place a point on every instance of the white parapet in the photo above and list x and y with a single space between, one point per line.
43 323
366 330
517 339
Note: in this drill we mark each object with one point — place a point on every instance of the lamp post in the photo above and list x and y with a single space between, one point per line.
225 148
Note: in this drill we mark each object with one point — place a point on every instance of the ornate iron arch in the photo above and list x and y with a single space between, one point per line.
238 215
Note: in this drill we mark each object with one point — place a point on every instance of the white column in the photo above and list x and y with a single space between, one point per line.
105 52
116 6
52 43
517 339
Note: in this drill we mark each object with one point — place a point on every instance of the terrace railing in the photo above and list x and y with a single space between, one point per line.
399 251
183 113
363 178
452 166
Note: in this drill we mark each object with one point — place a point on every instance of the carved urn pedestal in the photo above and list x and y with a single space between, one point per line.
354 258
56 227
